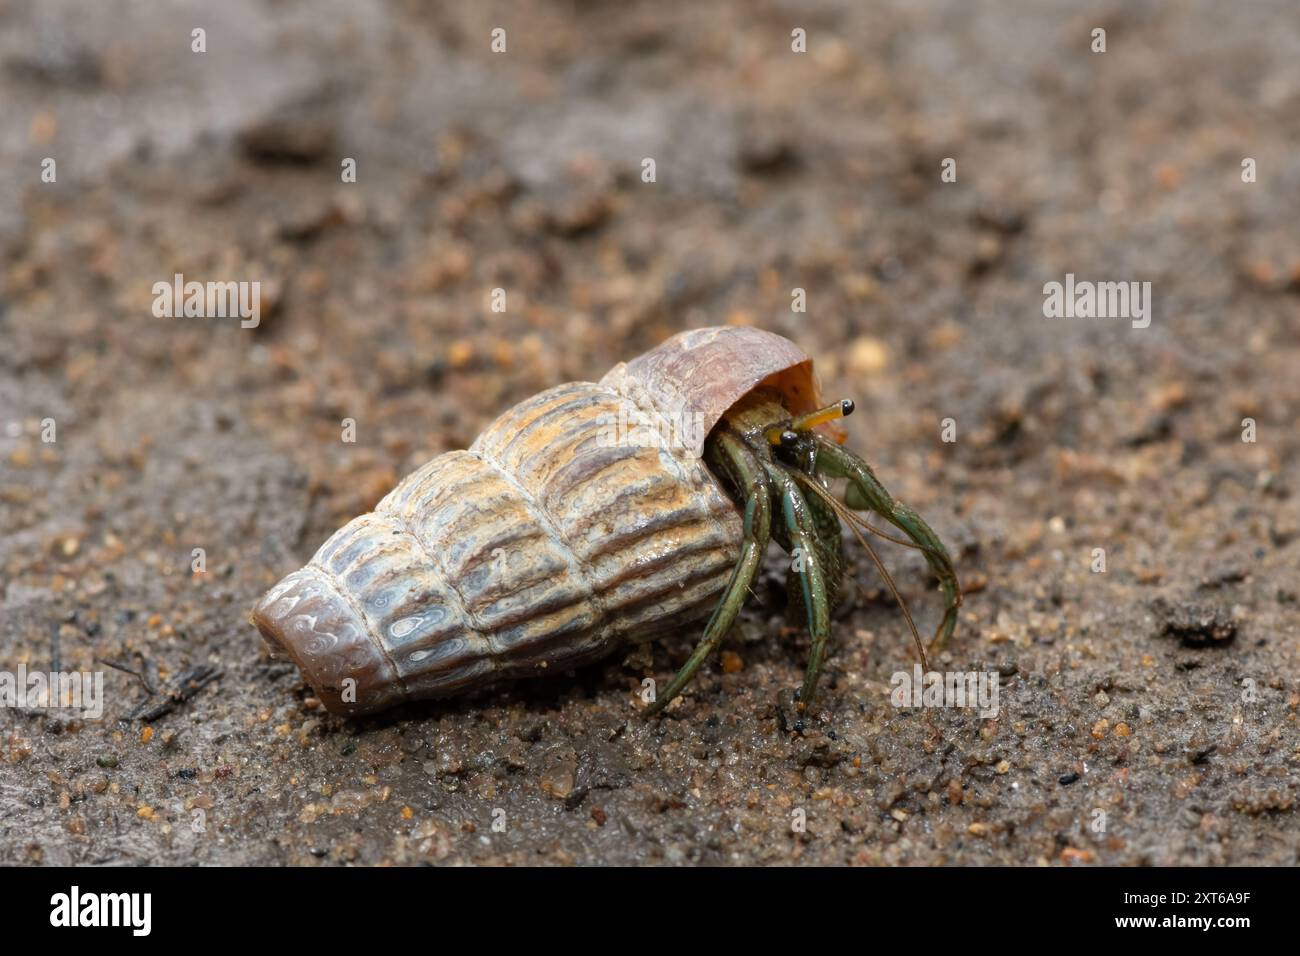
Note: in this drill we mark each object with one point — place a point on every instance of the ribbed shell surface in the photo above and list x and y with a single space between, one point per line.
567 529
545 545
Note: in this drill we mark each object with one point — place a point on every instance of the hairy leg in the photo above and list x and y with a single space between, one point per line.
865 492
802 533
749 475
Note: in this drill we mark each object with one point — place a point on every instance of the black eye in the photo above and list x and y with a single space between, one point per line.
847 406
789 438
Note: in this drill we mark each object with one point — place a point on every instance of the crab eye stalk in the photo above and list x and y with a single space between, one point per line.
811 420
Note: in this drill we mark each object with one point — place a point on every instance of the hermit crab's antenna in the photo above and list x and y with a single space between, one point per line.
854 521
806 422
789 435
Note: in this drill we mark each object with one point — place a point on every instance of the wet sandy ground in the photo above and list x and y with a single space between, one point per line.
1147 714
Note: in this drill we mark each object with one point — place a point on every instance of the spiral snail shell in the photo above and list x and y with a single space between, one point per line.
554 540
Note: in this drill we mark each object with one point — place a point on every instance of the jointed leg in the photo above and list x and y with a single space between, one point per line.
866 493
829 533
745 466
802 533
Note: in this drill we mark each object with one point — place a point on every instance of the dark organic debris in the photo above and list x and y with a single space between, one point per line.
765 151
150 685
1223 577
180 689
287 140
1193 624
55 63
576 213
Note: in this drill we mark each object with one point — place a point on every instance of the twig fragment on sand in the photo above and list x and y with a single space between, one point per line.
180 689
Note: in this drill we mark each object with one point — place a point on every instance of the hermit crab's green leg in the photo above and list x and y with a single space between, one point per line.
803 538
829 534
866 493
749 474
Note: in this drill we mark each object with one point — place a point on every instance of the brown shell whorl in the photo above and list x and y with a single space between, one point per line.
705 371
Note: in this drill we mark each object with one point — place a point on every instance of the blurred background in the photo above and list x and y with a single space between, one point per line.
1122 691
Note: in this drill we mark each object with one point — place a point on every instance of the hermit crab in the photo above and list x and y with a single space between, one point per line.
592 516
